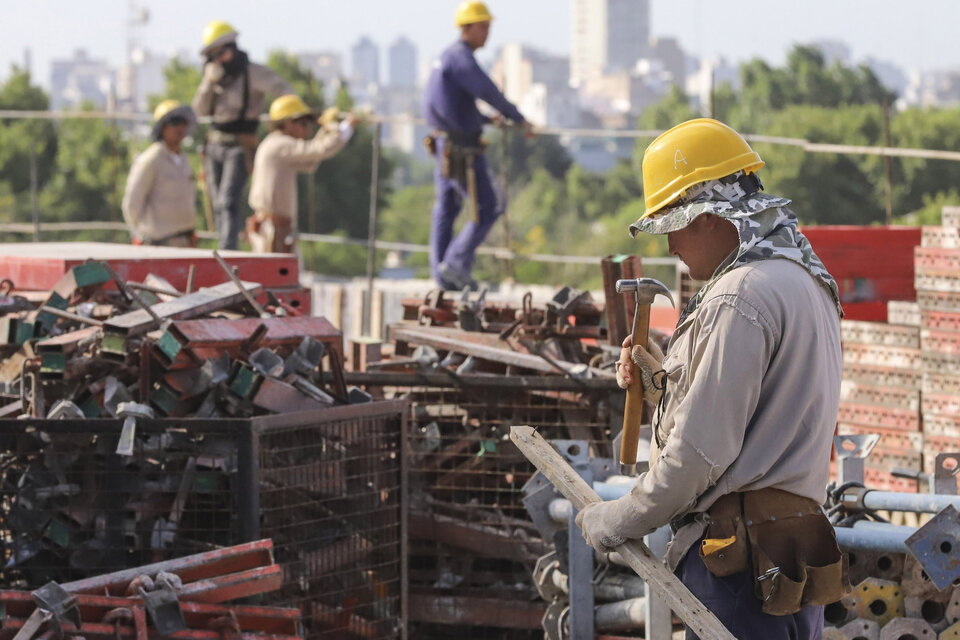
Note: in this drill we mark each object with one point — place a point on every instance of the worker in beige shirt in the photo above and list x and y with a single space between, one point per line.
285 152
233 92
159 200
746 398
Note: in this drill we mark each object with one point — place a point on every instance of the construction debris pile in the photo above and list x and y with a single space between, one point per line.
188 596
140 349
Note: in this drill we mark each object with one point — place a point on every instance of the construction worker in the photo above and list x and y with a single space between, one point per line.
159 203
462 173
285 152
746 398
233 92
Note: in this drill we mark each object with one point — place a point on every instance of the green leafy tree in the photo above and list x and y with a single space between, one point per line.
19 140
182 81
287 65
92 163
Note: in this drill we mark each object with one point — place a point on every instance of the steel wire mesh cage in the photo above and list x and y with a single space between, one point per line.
327 486
73 508
472 544
331 499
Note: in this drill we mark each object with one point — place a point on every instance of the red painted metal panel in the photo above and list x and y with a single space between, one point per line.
870 264
38 266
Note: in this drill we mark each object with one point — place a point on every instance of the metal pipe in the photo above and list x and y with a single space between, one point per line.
859 538
915 502
612 588
618 486
620 616
366 328
864 536
71 316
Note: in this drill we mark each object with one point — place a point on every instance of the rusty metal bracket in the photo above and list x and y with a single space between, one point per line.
946 468
851 452
937 546
54 599
163 605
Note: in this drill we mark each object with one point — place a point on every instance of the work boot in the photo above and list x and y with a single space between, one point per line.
452 280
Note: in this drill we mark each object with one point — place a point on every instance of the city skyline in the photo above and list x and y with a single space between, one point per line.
876 29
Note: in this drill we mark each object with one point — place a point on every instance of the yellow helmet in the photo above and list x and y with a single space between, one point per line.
164 108
216 34
166 111
692 152
288 106
472 11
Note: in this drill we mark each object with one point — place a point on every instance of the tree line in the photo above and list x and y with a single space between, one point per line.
555 206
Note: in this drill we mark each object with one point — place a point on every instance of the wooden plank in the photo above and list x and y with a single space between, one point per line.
189 306
634 552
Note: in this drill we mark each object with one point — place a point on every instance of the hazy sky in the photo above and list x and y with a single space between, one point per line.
920 34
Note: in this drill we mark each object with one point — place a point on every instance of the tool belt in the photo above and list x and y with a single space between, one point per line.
787 543
249 142
459 152
186 233
270 233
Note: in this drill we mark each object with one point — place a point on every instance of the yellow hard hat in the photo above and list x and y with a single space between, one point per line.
216 34
166 111
288 106
164 108
692 152
472 11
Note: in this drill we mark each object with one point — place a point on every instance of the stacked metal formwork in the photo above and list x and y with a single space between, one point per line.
938 298
880 393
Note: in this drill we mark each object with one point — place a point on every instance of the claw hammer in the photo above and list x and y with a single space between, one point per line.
644 291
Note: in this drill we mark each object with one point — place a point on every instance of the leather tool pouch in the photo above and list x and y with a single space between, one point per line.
249 142
787 543
430 143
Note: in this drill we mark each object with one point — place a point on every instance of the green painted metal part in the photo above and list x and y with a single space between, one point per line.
169 345
114 343
90 273
244 381
165 399
53 363
47 320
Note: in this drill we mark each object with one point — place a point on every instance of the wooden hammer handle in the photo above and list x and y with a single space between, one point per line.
633 409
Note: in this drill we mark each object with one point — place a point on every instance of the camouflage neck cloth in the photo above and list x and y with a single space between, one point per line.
767 230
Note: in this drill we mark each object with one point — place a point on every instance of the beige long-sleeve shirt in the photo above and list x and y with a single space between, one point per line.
273 186
159 200
226 97
753 388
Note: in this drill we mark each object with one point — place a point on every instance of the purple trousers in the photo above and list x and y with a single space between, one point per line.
458 252
731 599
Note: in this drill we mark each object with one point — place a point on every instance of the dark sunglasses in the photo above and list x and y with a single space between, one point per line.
177 121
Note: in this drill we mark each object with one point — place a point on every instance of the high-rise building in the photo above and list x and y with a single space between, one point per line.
607 36
366 62
403 63
81 79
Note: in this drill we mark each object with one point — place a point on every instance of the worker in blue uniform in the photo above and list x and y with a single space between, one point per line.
462 173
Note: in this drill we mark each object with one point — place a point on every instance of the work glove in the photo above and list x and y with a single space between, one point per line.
595 521
649 362
213 72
